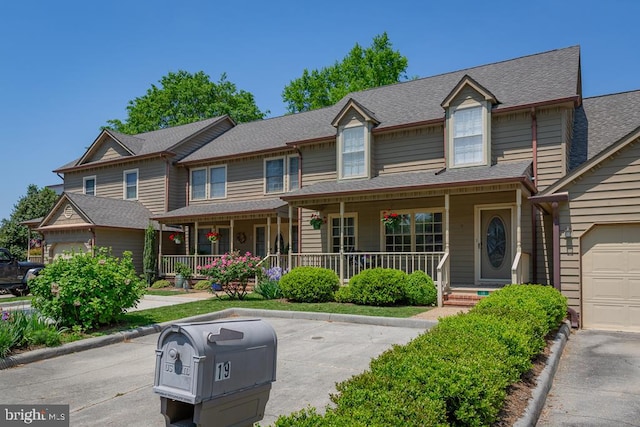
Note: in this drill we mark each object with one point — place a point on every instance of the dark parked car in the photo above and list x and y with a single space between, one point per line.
14 274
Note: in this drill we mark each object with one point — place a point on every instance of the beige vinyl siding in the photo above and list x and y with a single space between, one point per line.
123 240
312 240
551 147
609 193
567 135
511 138
66 215
409 150
178 178
319 163
462 231
109 182
108 150
544 235
192 144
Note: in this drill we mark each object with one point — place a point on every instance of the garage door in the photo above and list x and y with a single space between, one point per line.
611 278
66 249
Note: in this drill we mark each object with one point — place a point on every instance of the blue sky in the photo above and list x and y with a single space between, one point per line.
69 66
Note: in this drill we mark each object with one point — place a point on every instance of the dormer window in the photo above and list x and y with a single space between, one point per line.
468 141
353 152
468 128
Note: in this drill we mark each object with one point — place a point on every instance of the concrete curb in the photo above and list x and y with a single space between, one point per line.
545 379
89 343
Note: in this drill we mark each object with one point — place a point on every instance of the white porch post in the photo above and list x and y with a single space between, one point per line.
195 229
289 252
232 224
518 220
341 242
446 252
446 222
160 270
278 248
268 236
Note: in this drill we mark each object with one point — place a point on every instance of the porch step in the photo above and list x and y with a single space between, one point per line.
466 297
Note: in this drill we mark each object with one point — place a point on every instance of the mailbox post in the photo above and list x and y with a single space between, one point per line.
215 373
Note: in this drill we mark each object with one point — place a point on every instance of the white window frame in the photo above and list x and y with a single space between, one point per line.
191 186
330 236
412 214
286 165
84 184
125 187
366 140
210 184
486 132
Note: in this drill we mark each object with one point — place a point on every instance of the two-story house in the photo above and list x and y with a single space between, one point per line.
118 184
496 174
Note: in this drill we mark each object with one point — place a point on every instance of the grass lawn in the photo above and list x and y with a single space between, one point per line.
165 314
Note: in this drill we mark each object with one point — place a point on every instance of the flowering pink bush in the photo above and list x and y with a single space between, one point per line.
232 271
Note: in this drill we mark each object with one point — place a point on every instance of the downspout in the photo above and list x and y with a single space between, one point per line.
299 209
556 246
534 209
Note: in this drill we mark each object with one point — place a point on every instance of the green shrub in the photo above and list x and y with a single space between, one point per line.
420 289
309 284
343 294
202 285
20 330
86 290
378 286
544 302
159 284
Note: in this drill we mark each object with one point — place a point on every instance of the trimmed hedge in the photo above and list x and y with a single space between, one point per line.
309 284
420 289
456 374
378 286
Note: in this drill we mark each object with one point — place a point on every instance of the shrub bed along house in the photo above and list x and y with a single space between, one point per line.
455 374
309 284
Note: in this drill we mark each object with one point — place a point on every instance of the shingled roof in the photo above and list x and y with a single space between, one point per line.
601 121
540 78
224 208
503 171
156 141
106 212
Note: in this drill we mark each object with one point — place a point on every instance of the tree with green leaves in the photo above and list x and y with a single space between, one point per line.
362 68
183 98
35 204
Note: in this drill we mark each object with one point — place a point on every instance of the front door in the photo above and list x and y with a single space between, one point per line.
495 245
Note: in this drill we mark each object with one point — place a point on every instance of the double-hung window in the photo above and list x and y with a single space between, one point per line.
353 152
131 184
419 231
209 183
218 182
281 174
348 233
468 136
89 184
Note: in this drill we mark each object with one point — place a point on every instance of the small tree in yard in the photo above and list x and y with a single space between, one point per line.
87 290
149 255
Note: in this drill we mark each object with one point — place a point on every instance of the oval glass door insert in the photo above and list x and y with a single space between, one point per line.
496 242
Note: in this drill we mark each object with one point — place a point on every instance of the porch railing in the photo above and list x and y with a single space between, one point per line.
349 264
520 268
442 279
168 263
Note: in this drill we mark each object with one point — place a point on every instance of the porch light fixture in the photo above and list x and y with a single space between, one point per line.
567 232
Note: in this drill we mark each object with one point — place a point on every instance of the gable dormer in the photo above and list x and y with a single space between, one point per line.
354 123
468 124
107 146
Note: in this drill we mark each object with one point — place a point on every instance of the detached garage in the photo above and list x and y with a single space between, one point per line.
611 277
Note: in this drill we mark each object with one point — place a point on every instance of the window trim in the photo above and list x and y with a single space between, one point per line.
84 184
207 182
286 184
486 133
366 127
124 183
412 213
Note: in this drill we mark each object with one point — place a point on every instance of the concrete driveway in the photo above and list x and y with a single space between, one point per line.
112 385
597 382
